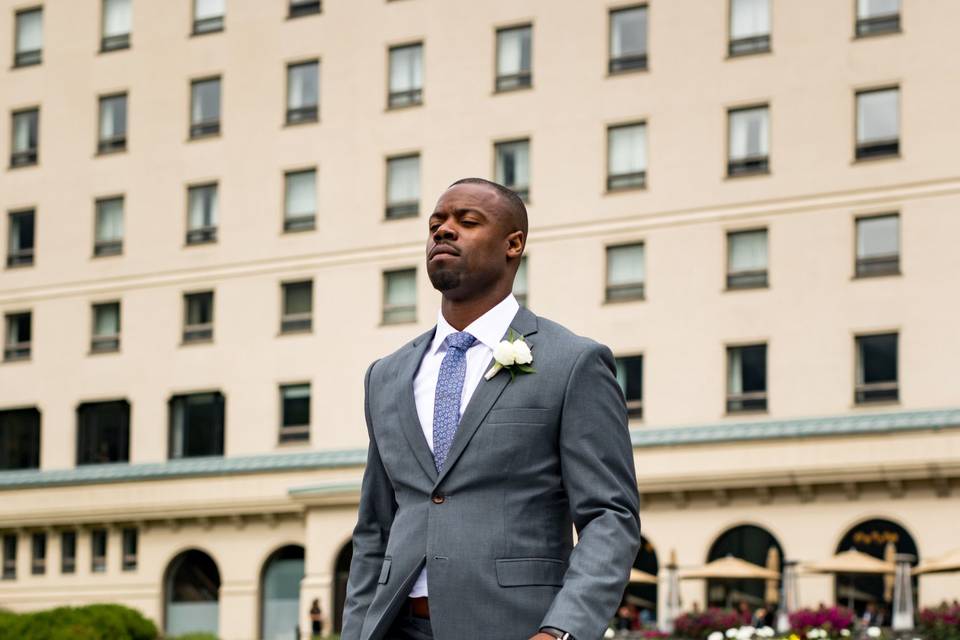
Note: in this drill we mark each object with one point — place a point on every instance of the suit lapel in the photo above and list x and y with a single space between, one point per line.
409 419
485 396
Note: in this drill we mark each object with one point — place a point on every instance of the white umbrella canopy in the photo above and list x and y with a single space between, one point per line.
851 561
642 577
730 568
943 564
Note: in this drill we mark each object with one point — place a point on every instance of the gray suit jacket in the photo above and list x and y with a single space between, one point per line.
532 458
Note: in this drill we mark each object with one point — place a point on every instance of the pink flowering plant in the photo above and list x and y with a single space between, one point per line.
699 625
940 623
836 622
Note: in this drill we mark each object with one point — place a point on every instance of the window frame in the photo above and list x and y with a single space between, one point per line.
38 553
22 257
880 150
32 453
32 57
297 11
634 407
524 192
107 343
17 351
197 333
112 43
10 543
106 248
220 427
410 97
636 180
115 144
204 26
386 309
206 234
888 23
747 402
30 156
304 222
205 128
746 279
876 266
294 433
516 81
98 562
293 323
68 562
626 64
301 115
405 209
84 436
888 391
635 291
129 559
753 45
749 165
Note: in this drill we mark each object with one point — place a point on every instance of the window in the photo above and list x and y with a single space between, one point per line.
105 336
103 432
876 17
403 186
297 307
748 139
512 168
514 70
29 46
627 156
749 27
747 378
300 8
747 259
26 136
520 283
295 412
196 425
108 233
117 18
68 552
878 245
303 82
878 123
406 76
204 107
628 39
877 369
19 439
9 556
208 16
630 377
17 344
129 540
198 317
113 124
98 550
38 556
202 213
400 296
300 200
625 272
21 238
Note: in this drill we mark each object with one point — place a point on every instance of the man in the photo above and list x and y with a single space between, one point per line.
475 478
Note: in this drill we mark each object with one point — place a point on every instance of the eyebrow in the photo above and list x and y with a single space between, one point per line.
461 211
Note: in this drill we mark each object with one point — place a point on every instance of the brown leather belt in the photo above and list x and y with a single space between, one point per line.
418 607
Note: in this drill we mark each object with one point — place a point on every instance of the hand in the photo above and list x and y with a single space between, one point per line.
542 636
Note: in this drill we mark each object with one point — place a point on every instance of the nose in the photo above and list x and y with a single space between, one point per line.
444 232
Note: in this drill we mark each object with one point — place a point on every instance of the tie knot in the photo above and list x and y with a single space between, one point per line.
460 340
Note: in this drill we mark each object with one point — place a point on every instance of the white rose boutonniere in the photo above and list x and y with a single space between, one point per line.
512 354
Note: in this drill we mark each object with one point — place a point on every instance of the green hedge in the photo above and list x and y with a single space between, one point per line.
93 622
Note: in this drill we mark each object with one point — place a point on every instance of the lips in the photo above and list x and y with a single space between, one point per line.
443 249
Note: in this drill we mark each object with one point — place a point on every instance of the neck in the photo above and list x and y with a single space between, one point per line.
460 313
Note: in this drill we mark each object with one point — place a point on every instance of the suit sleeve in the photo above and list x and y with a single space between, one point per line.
376 512
596 459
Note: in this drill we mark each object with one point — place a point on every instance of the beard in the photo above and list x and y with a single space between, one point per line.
444 279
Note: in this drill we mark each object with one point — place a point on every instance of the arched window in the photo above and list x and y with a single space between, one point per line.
757 546
340 573
280 594
643 595
881 539
192 594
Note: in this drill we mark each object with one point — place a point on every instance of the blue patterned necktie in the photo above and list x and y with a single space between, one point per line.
446 402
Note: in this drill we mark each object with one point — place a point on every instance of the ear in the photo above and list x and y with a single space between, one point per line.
515 242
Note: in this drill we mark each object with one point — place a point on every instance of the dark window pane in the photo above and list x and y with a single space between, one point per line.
68 552
21 239
98 550
129 562
104 431
196 425
630 377
295 421
304 7
9 556
747 378
20 439
38 555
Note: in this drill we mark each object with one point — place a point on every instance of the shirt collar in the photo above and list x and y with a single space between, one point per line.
487 329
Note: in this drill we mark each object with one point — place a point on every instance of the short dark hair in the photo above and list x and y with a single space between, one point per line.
513 204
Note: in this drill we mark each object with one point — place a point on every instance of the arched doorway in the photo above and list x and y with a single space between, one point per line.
753 544
881 539
640 595
191 594
340 573
280 594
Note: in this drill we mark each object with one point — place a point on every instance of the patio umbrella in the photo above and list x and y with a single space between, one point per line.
852 561
772 596
852 593
944 564
642 577
730 568
637 601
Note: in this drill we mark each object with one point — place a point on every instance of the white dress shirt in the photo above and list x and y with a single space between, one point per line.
489 330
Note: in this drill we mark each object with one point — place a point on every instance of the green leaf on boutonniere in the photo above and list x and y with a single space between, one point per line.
526 368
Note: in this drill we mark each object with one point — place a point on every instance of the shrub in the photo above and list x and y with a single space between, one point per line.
832 620
195 636
93 622
940 623
701 624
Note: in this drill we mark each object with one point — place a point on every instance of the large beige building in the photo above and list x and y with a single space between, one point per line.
214 214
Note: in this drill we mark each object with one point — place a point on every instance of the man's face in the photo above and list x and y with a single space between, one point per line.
470 242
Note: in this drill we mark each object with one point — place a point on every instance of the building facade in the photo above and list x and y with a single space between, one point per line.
214 215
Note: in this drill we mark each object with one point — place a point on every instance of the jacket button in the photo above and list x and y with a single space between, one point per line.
438 499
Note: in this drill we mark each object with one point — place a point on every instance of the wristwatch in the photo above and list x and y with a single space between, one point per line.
557 633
